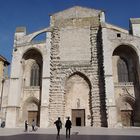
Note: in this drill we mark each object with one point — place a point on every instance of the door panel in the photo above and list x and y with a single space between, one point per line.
32 115
78 117
126 116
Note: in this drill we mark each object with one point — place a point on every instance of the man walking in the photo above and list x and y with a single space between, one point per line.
68 127
58 124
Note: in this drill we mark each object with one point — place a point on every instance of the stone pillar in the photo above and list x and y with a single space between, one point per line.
97 92
109 84
95 89
14 91
44 112
11 116
56 93
13 103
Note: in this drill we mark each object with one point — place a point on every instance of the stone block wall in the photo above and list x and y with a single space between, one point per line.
92 69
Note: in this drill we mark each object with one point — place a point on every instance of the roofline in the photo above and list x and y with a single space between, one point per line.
4 59
115 27
73 7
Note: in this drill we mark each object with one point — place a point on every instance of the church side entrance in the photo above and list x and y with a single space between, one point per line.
32 115
78 117
127 118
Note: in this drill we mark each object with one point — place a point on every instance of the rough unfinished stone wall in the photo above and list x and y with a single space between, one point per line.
98 92
56 107
93 71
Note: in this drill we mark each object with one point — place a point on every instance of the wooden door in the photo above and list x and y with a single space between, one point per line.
32 115
78 117
126 116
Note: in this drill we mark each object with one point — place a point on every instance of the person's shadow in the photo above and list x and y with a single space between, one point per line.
58 137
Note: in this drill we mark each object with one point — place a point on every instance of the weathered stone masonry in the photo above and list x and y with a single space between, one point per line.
92 71
79 72
56 107
98 95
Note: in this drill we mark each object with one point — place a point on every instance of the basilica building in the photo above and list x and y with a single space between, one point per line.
85 69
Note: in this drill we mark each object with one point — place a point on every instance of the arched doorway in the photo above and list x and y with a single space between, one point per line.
125 64
127 117
32 84
77 100
31 110
126 109
33 113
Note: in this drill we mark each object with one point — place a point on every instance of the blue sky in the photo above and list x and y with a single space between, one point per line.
34 14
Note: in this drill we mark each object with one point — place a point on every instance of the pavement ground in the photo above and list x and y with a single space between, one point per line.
75 131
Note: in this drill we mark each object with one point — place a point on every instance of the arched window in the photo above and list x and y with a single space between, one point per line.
123 75
35 76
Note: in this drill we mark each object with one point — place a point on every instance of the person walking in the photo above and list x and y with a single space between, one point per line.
58 124
68 125
26 126
33 125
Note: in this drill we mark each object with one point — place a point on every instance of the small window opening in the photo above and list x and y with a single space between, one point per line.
118 35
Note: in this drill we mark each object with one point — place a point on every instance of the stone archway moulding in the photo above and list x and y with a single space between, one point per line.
128 45
73 71
31 48
126 98
31 99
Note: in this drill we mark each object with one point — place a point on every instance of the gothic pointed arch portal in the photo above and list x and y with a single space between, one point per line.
77 100
126 109
127 116
32 84
125 64
31 110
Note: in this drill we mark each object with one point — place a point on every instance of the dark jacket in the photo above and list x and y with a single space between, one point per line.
68 124
58 124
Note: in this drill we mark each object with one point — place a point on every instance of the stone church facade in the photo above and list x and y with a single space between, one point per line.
85 68
4 83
